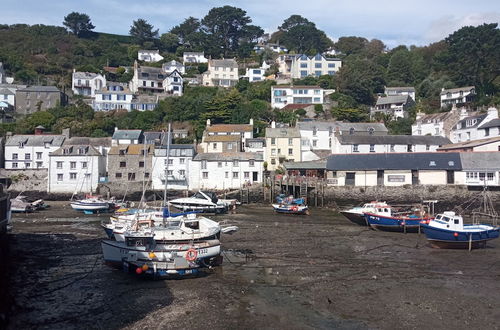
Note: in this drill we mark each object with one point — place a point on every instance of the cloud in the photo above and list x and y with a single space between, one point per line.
446 25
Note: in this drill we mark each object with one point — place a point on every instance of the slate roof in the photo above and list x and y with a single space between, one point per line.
49 89
454 90
469 144
162 151
221 128
222 138
282 132
395 161
224 63
308 165
129 134
259 140
156 138
295 86
5 91
35 140
194 53
95 142
480 161
403 89
393 139
491 123
74 150
85 75
228 156
392 99
434 117
463 122
325 126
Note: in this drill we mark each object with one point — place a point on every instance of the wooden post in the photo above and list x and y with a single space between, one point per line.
470 242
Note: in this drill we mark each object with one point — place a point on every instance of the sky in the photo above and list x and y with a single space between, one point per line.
417 22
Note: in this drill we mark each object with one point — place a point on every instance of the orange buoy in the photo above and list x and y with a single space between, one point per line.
152 255
145 267
191 254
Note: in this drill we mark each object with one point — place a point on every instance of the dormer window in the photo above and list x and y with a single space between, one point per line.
371 130
351 131
81 151
21 144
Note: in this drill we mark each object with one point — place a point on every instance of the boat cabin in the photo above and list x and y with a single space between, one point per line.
448 220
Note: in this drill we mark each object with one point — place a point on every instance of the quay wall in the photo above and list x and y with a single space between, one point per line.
27 179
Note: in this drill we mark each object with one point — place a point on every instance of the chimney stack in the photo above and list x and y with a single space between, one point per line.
208 122
251 121
273 124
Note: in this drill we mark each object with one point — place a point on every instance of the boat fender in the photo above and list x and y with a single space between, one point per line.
455 234
191 254
295 208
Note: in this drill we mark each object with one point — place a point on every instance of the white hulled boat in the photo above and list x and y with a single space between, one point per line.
203 201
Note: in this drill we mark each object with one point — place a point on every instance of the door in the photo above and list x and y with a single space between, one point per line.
414 177
380 177
450 177
255 176
350 179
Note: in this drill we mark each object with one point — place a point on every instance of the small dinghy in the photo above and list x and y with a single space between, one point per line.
291 208
448 231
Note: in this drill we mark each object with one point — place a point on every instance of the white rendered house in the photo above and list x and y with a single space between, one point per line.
457 95
30 151
87 83
194 57
473 127
113 97
149 55
282 95
177 167
222 73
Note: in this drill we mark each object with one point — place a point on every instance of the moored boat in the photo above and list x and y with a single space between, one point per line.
91 205
447 230
356 214
291 208
202 201
384 218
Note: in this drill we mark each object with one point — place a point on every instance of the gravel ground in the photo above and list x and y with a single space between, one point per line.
279 272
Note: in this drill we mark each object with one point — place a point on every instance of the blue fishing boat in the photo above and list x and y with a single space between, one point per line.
283 199
291 208
385 219
448 231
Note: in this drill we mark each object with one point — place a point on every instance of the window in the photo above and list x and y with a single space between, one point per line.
246 175
182 160
372 148
331 73
427 147
490 176
236 163
214 146
14 165
251 163
290 142
204 175
355 148
141 164
317 100
123 164
290 152
230 146
118 175
235 175
38 155
486 132
39 164
14 156
408 148
351 131
60 177
317 65
273 152
303 73
27 156
317 73
331 65
59 165
273 141
27 165
131 177
72 165
226 175
170 161
204 165
315 143
303 65
72 176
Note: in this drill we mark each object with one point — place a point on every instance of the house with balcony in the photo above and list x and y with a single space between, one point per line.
76 168
435 124
474 126
114 96
396 106
394 91
87 83
176 168
174 66
283 95
348 144
457 96
255 74
221 73
130 163
152 55
173 83
300 66
283 144
228 170
8 93
194 58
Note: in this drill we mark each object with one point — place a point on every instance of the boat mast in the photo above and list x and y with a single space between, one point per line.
165 204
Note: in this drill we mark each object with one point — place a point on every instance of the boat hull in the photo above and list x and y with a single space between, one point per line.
385 223
357 218
446 239
201 208
300 210
94 207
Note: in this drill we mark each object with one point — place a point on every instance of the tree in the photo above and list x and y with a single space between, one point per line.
351 45
78 23
400 68
302 36
228 26
142 31
293 21
169 42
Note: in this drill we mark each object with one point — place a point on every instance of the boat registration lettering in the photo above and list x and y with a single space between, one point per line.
202 251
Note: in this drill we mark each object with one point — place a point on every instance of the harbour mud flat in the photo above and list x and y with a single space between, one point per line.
279 271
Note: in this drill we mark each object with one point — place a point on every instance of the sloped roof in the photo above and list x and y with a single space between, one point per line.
395 161
469 144
51 89
308 165
282 132
129 134
221 128
343 126
5 91
76 150
296 86
454 90
131 149
491 123
222 138
156 138
392 99
479 119
480 161
438 117
35 140
85 75
228 156
403 89
95 142
224 63
393 139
